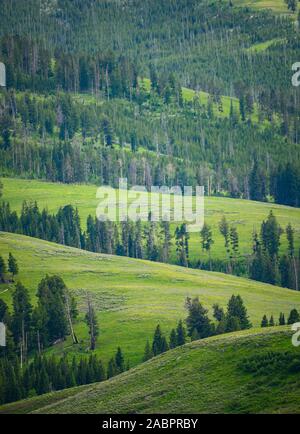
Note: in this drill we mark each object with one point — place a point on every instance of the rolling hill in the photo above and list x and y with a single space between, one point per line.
246 215
132 296
245 372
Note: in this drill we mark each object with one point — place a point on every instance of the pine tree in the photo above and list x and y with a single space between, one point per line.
197 319
265 322
236 308
12 265
225 232
270 235
112 370
119 360
2 269
293 317
233 324
281 319
148 354
157 343
22 318
164 345
173 339
206 240
180 334
271 322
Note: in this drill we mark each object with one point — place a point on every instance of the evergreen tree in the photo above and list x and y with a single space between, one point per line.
271 322
112 370
92 323
281 319
21 319
206 240
148 354
2 269
173 339
265 322
12 265
236 308
119 361
180 334
293 317
270 235
197 319
158 343
233 324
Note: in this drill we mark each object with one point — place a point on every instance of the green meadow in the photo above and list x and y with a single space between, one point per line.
132 296
206 376
246 215
277 6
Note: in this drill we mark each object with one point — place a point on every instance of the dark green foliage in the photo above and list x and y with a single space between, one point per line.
270 364
2 269
237 309
52 303
182 245
173 339
159 344
148 353
119 360
112 369
293 317
42 375
180 334
281 319
197 319
265 322
12 265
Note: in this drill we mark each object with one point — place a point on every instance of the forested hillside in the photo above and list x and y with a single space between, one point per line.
156 133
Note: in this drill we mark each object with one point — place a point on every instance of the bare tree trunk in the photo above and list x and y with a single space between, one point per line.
74 337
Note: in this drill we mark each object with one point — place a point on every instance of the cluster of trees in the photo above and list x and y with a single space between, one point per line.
149 240
160 344
31 66
72 139
199 325
153 241
67 138
47 374
294 317
32 328
267 266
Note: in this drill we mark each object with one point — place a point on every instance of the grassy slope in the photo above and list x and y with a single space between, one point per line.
201 377
277 6
245 215
132 296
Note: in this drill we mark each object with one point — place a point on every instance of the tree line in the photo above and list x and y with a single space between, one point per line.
48 374
199 325
154 241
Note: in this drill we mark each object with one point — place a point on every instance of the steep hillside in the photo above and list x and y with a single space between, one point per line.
132 296
245 372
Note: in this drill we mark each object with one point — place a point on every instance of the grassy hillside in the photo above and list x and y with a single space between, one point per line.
277 6
245 215
205 376
132 296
